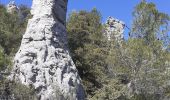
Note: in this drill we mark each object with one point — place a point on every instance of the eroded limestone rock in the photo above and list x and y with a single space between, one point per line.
43 60
12 7
114 29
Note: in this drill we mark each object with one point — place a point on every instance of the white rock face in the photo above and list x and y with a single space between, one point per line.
12 7
43 60
114 29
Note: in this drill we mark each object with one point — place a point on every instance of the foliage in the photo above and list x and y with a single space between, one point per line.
16 91
25 12
87 47
136 69
113 89
11 30
4 60
149 23
142 58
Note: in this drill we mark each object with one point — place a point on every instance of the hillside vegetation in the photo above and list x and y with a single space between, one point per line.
136 69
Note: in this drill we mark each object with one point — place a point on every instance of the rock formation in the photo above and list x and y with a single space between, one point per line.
43 60
114 29
12 7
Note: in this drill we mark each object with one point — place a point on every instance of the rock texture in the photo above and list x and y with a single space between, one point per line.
114 29
43 60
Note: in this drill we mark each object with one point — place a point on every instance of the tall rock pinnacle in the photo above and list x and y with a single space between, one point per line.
43 60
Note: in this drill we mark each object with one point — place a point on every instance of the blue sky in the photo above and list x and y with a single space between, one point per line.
120 9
